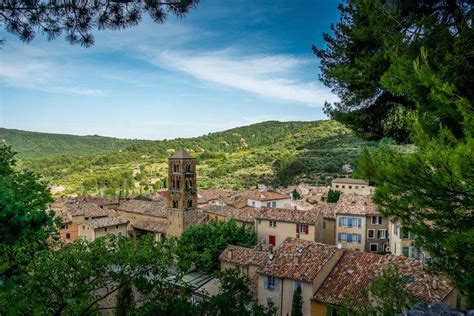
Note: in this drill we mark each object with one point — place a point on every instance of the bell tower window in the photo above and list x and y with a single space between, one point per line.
190 203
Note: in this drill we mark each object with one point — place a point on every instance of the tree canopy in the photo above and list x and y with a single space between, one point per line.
79 18
404 69
368 63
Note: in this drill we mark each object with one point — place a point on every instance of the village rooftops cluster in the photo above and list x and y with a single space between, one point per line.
265 195
243 256
86 209
246 215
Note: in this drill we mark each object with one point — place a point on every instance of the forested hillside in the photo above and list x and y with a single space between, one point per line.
275 153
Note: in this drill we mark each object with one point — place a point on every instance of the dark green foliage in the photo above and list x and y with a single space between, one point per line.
333 196
296 195
25 225
125 300
75 279
286 169
369 64
77 19
201 245
297 303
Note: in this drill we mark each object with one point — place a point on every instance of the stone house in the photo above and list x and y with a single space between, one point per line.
98 227
352 186
270 199
359 226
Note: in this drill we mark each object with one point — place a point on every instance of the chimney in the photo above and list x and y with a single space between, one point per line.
229 254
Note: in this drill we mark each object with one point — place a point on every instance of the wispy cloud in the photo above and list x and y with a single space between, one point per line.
269 76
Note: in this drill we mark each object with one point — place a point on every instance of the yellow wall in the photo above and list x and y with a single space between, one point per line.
281 231
318 309
352 230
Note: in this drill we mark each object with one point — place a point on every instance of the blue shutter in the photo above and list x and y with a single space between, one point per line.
359 238
349 222
277 284
349 237
340 221
359 223
339 236
265 281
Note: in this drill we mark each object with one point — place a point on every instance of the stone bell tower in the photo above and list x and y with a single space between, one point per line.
182 192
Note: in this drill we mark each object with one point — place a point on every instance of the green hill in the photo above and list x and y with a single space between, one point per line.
34 144
276 153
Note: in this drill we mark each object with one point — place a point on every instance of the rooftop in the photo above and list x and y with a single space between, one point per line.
298 259
150 208
349 278
266 195
106 222
355 205
350 181
86 209
156 226
212 194
244 215
243 256
289 215
181 154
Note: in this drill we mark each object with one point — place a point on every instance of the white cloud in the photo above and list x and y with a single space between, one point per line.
269 76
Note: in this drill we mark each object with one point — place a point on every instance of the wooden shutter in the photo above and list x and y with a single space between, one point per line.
306 229
297 228
271 240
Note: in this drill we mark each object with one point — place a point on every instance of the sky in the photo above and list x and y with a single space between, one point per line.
226 64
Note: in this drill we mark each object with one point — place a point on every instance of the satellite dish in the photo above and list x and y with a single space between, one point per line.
339 246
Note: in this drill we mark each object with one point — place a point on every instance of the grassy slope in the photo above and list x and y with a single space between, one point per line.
236 158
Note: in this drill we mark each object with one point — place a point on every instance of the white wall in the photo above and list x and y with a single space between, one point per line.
273 203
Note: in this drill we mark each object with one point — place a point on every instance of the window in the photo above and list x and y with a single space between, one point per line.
105 228
382 234
342 237
272 224
302 229
405 251
269 204
116 226
371 233
374 247
396 229
175 204
190 203
350 187
271 283
343 186
405 234
324 224
253 204
271 240
376 220
68 236
274 204
337 186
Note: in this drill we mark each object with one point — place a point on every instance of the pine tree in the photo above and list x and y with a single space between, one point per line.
297 304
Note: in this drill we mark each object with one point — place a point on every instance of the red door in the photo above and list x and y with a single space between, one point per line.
271 240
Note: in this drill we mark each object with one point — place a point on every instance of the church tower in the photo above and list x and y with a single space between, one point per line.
182 192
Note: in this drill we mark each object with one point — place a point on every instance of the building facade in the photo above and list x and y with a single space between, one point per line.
352 186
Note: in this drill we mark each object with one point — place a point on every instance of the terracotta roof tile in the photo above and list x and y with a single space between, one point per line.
243 215
266 195
212 195
106 222
86 209
298 259
351 181
355 205
157 226
151 208
289 215
349 278
243 256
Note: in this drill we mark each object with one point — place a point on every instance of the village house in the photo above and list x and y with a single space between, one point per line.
265 198
98 227
402 243
359 226
274 225
145 217
295 263
329 276
354 186
309 193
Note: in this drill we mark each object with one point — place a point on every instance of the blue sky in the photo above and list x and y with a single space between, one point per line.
227 64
